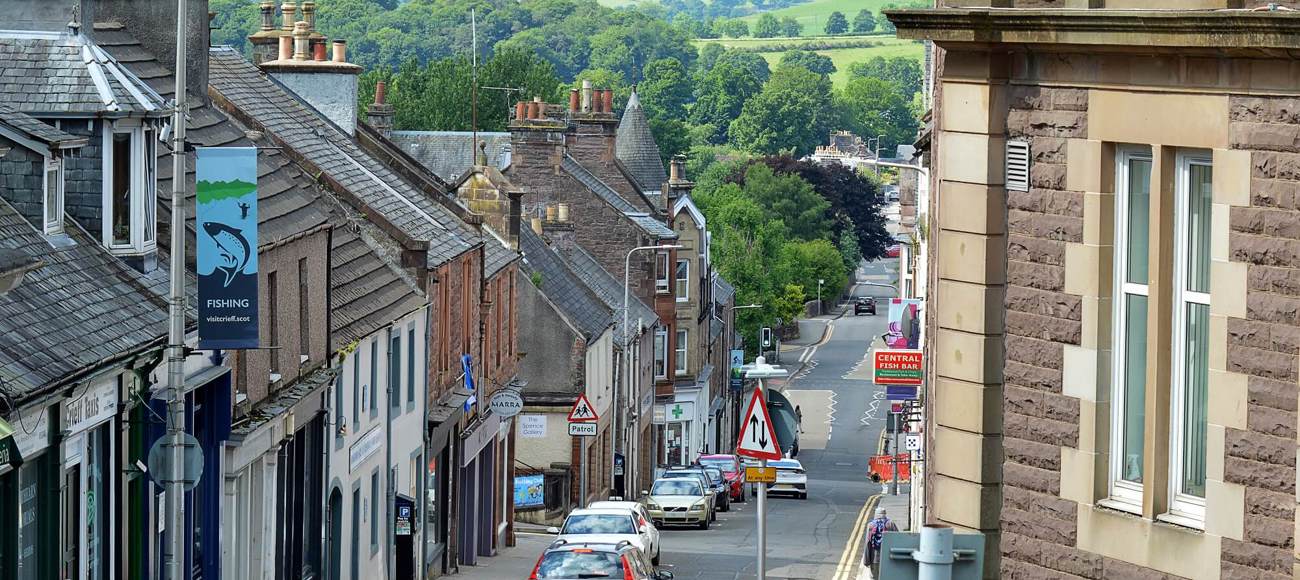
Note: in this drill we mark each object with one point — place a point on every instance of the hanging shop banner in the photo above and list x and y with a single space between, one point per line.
530 491
226 251
737 375
904 330
897 367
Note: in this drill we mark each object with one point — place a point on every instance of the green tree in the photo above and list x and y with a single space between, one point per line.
767 26
874 107
864 22
790 199
709 54
887 26
854 201
790 27
795 111
750 61
666 89
720 95
813 260
732 28
836 23
900 70
818 63
671 135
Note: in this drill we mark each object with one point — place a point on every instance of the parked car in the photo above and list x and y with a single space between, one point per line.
567 560
600 525
644 525
704 481
678 500
716 481
865 304
790 478
731 470
894 250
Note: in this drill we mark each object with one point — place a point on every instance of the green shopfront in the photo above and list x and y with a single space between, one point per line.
29 510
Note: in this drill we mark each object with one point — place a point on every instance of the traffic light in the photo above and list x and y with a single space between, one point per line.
765 337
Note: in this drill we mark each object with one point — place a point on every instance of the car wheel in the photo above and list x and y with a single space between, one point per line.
803 495
742 499
726 506
704 524
655 560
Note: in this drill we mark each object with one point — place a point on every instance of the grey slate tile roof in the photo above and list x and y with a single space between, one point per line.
80 308
645 221
609 289
322 144
58 73
449 154
367 293
37 131
723 291
562 286
496 255
635 146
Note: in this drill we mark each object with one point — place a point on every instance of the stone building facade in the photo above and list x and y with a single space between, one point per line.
1113 390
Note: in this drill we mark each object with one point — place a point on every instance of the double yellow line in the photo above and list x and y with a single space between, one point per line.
848 566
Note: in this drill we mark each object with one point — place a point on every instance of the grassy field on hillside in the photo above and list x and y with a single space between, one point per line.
812 15
842 57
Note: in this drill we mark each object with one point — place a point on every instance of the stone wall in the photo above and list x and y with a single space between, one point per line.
1263 345
451 306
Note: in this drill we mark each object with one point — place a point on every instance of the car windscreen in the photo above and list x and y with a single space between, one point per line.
715 474
723 464
676 487
579 564
599 524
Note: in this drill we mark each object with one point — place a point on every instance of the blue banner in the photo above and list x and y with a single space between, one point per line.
467 365
737 377
901 392
530 491
226 246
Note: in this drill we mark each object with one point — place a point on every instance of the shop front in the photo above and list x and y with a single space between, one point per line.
29 549
679 420
440 452
88 481
477 485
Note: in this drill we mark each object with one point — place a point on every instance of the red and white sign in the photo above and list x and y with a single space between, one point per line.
757 435
582 411
897 366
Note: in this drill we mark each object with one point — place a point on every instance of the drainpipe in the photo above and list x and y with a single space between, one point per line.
390 500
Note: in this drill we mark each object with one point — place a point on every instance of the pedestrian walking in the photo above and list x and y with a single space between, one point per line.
876 529
798 417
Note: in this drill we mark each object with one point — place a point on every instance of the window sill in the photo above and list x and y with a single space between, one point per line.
1120 505
1181 520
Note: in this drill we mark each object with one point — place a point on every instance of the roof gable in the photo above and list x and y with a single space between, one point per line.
648 223
635 147
64 74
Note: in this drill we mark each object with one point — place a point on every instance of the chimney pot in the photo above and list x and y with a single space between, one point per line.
340 50
674 170
537 225
597 101
530 110
286 47
573 100
586 96
309 15
287 10
381 92
607 96
521 112
318 51
563 212
300 40
268 15
551 212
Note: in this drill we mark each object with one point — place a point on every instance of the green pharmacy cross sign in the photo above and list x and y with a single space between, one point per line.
677 411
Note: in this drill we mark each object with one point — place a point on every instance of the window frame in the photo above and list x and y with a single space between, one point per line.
682 284
1123 494
53 224
662 284
1186 508
660 359
681 351
143 187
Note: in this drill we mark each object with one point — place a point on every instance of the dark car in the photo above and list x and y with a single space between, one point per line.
866 304
575 560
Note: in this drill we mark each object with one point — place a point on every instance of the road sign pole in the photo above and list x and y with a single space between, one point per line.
893 450
762 506
758 441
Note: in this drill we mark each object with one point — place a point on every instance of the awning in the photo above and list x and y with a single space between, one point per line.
446 413
9 455
715 406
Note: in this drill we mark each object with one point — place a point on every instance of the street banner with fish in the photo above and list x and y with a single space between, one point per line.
226 252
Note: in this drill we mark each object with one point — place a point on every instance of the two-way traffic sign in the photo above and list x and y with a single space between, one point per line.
757 435
582 411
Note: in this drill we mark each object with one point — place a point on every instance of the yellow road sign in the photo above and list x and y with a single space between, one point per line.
760 474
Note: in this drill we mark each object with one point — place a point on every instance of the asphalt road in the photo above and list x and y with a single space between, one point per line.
843 417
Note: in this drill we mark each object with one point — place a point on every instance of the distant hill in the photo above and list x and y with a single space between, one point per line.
853 51
812 15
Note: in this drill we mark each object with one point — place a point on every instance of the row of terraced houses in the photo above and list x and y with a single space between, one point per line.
405 278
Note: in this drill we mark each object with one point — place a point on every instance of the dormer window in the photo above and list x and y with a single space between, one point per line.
53 212
130 188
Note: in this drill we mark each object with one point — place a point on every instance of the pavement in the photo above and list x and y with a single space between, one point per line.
818 538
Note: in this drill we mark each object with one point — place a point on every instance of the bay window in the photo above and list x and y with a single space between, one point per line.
130 187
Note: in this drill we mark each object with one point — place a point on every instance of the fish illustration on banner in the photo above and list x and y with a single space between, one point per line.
226 246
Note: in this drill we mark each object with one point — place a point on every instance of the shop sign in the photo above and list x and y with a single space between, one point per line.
506 403
476 440
532 426
366 446
897 367
679 412
659 417
226 246
530 491
32 431
95 405
9 456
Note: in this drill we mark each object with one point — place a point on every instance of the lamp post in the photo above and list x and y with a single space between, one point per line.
878 139
820 309
761 371
620 434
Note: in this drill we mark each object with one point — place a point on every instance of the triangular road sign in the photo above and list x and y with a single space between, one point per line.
583 411
757 435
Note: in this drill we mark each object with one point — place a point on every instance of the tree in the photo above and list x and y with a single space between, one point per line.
795 110
665 90
767 26
790 27
836 23
813 260
900 70
820 64
864 22
750 61
854 201
887 26
731 28
790 199
671 135
874 107
721 93
709 54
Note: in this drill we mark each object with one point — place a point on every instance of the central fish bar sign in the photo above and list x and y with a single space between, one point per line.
897 367
226 252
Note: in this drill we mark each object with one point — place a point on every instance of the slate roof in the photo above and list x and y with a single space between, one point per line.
635 147
645 221
723 291
367 292
59 73
81 307
608 288
449 154
35 130
322 144
582 307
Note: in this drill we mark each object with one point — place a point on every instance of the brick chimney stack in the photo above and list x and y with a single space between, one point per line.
266 40
558 228
329 85
677 185
380 114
